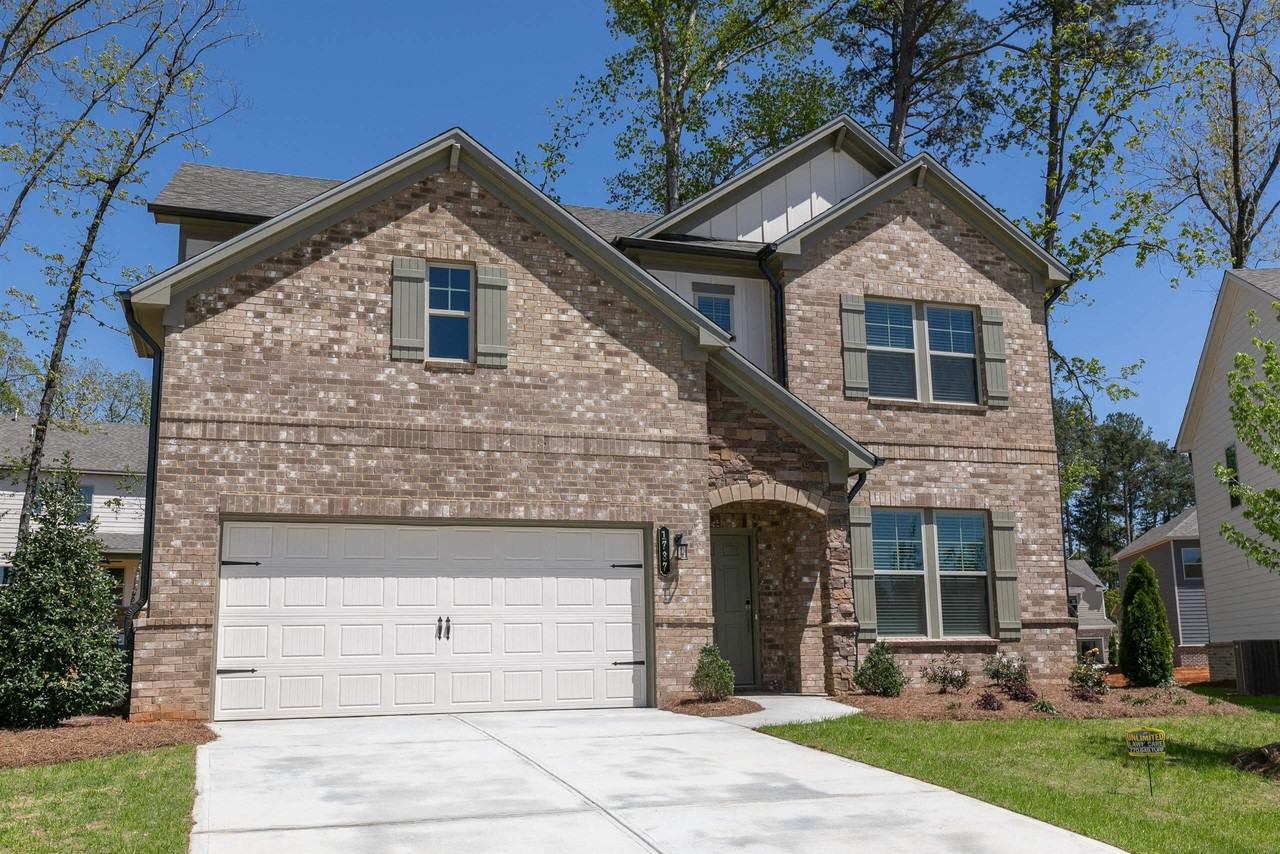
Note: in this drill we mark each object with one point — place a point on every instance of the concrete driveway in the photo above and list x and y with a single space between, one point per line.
616 781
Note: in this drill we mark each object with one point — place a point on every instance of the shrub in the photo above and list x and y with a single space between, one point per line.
1088 681
879 673
1004 668
713 675
1146 647
1044 707
1020 690
58 654
947 672
989 702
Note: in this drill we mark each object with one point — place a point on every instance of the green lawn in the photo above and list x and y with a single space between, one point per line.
134 802
1264 703
1074 773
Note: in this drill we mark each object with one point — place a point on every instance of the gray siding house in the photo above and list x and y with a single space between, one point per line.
1173 550
1088 604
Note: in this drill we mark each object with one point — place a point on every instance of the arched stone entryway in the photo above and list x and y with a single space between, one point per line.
798 559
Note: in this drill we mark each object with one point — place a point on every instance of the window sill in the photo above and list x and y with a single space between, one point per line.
950 640
926 406
449 366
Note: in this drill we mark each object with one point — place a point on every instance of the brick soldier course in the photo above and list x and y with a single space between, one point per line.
280 400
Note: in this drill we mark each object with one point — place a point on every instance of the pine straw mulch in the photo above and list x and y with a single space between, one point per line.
1261 760
919 703
90 737
725 708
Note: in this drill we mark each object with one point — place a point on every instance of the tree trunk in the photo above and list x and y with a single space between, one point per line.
903 75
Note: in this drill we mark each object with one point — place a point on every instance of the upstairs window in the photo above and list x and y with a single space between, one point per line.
1192 568
86 504
953 354
449 313
719 310
891 345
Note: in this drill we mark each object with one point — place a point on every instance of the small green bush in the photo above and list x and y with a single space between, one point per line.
1087 680
879 674
947 672
58 655
713 675
1146 646
1044 707
1005 668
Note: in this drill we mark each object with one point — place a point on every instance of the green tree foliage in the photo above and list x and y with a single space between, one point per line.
917 72
879 673
1253 386
1146 646
58 655
699 90
1118 482
712 675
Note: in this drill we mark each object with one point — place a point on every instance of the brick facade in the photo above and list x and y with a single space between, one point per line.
913 247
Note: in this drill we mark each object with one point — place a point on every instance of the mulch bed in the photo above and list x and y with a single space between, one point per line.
89 737
714 709
918 703
1263 760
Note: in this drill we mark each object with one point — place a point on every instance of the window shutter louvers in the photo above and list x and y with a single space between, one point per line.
1005 571
853 333
993 357
862 571
491 317
408 308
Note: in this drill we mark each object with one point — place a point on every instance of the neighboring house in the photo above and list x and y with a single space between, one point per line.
1243 598
1087 603
112 462
430 441
1173 550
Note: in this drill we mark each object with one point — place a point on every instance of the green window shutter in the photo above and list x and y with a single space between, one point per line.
491 317
853 338
1004 564
994 361
862 571
408 308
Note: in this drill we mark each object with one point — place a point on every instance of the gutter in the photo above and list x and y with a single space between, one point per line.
779 311
684 247
153 442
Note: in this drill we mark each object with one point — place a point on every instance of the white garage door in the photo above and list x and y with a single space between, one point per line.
318 620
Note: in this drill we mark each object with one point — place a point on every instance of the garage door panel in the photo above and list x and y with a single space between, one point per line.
350 622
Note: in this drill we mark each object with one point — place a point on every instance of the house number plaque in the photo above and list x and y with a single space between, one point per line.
664 551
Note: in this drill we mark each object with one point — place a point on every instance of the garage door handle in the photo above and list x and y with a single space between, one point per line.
446 628
621 663
225 670
439 627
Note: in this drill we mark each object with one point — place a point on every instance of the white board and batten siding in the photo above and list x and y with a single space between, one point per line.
345 619
789 201
1243 599
752 309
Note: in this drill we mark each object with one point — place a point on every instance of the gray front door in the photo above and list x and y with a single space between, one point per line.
731 591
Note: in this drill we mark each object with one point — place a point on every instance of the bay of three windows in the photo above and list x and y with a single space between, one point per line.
931 572
945 370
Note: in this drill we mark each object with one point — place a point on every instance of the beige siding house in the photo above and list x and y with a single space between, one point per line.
1243 599
429 440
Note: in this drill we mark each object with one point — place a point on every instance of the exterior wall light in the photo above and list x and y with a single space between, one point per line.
682 548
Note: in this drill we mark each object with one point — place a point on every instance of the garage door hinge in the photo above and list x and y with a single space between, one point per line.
626 566
224 670
620 663
242 563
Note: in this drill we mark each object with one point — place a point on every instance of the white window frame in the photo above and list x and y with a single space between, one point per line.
446 312
914 349
86 504
1182 555
930 353
728 300
717 290
933 573
922 572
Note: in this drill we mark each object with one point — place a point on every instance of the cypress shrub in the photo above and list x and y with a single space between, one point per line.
879 673
713 674
1146 646
58 653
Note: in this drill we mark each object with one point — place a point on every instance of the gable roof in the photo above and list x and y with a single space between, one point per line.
841 132
455 149
99 449
925 172
1082 571
1181 527
1264 281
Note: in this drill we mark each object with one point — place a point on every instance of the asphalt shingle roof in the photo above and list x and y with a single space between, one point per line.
1081 570
121 544
252 195
1267 281
110 448
1180 527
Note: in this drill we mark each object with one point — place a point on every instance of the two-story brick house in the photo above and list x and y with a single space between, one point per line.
429 440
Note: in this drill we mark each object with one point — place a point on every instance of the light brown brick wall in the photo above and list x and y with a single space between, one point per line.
279 399
914 247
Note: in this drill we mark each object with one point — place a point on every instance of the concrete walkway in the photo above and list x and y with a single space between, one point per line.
635 780
789 709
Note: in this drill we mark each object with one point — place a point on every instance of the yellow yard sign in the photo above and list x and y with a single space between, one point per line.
1144 742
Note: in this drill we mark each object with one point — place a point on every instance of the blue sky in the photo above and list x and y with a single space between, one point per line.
331 87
